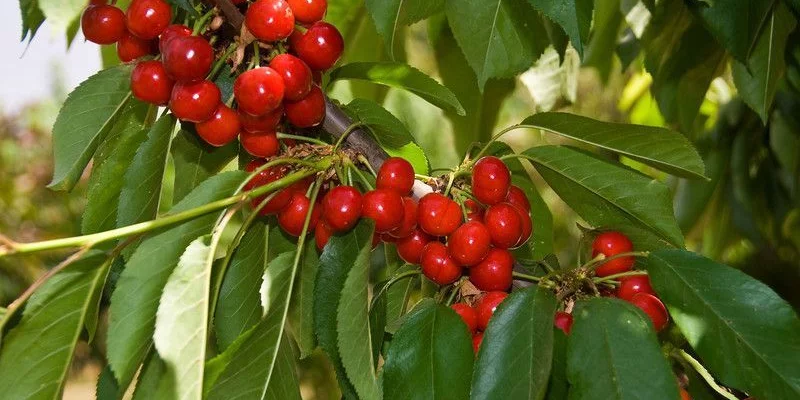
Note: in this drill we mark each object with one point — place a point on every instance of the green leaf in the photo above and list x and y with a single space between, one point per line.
345 15
735 23
151 375
273 283
32 18
107 388
134 302
185 5
84 121
61 13
37 352
196 161
385 127
607 26
660 148
301 307
575 16
607 194
558 386
517 349
613 353
746 335
389 15
401 76
430 356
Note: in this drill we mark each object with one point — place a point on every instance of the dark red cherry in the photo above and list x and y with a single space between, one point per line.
194 101
341 208
477 339
222 128
475 211
308 11
468 315
148 18
320 46
504 224
563 321
171 32
296 76
130 47
438 215
486 306
322 233
653 307
409 223
490 180
437 264
396 174
629 286
151 84
611 243
259 91
308 111
270 20
264 177
260 144
262 123
494 272
103 24
293 217
385 207
518 198
188 58
410 247
469 244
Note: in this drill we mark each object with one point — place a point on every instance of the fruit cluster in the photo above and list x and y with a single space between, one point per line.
477 318
181 76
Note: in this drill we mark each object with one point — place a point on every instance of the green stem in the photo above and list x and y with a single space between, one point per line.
520 275
454 292
218 65
350 129
706 375
392 281
301 138
601 259
256 54
619 275
201 23
367 164
364 180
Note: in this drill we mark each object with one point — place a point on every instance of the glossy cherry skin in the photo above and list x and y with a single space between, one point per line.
322 233
130 47
261 123
308 111
385 207
103 24
222 128
611 243
188 58
259 91
494 272
270 20
527 226
629 286
410 247
341 208
296 76
476 342
266 176
151 84
517 198
475 211
308 11
148 18
653 307
195 101
563 321
260 144
468 315
438 215
504 224
292 218
396 174
469 244
320 46
409 223
171 32
486 306
490 180
437 264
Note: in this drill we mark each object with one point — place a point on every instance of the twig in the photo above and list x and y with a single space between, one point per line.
706 376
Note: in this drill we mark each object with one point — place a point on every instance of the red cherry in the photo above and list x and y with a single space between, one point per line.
188 58
468 315
438 215
320 46
437 264
385 207
486 306
527 226
103 24
341 208
494 272
270 20
195 101
222 128
410 247
475 211
629 286
259 90
409 223
611 243
653 307
504 224
148 18
685 395
97 2
517 198
322 233
130 47
308 111
261 144
263 123
151 84
264 177
490 180
476 342
292 218
396 174
308 11
296 75
469 244
171 32
563 321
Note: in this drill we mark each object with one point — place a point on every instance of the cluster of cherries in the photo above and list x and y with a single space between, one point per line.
181 76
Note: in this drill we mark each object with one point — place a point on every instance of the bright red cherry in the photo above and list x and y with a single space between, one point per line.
504 224
517 198
148 18
259 91
490 180
341 208
322 233
296 75
409 224
308 111
653 307
476 342
410 247
188 58
527 226
270 20
611 243
103 24
151 84
469 244
475 211
171 32
396 174
130 47
222 128
486 306
262 123
629 286
437 264
264 177
494 272
260 144
195 101
468 315
385 207
292 218
563 321
320 47
438 215
308 11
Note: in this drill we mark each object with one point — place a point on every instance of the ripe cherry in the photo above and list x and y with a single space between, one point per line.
222 128
188 58
322 233
260 144
685 395
151 84
468 315
292 218
494 272
611 243
171 32
308 11
195 101
629 286
262 123
296 75
437 264
308 111
320 46
103 24
475 211
504 224
653 307
517 198
396 174
563 321
490 180
409 223
148 18
385 207
438 215
410 247
527 226
264 177
130 47
341 208
476 342
270 20
486 306
259 90
469 244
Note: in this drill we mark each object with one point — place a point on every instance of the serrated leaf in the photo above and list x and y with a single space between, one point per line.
84 120
153 372
32 18
747 336
60 13
273 282
107 388
575 16
613 353
301 308
517 349
430 356
185 5
385 127
735 23
558 386
196 161
390 15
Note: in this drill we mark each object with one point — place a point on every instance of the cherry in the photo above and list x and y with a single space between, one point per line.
438 215
151 84
259 90
517 198
437 264
494 272
504 224
653 307
629 286
308 111
222 128
264 177
103 24
527 226
611 243
409 223
308 11
262 123
685 395
486 306
148 18
260 144
320 46
490 180
385 207
469 244
292 218
188 58
195 101
130 47
476 342
171 32
396 174
410 247
563 321
475 211
341 208
468 315
322 233
296 75
270 20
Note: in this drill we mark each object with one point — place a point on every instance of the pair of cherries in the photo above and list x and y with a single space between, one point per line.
477 318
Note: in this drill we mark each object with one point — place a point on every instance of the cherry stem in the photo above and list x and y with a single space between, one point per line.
706 375
301 138
354 168
200 24
526 277
613 277
364 161
602 259
218 65
392 281
454 292
350 129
